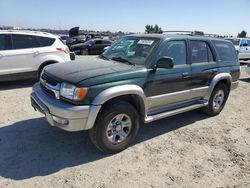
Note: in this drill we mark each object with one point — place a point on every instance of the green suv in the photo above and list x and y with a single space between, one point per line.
140 77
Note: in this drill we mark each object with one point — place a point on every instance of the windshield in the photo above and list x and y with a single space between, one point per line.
236 42
131 49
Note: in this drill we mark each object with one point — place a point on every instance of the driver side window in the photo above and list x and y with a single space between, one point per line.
176 50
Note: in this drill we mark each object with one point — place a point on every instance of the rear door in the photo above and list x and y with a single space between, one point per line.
203 67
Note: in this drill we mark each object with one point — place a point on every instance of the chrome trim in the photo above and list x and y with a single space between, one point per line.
54 89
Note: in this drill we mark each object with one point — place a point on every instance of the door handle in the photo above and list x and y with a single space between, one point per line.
36 53
185 75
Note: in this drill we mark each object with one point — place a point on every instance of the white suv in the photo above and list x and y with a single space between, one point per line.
242 46
23 54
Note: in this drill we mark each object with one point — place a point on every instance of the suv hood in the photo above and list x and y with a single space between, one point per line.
74 32
78 71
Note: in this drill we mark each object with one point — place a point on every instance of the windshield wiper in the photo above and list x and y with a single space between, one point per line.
122 60
103 57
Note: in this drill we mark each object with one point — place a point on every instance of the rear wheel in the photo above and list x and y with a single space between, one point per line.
217 100
116 127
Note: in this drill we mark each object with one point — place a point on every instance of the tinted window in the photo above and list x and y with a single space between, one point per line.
24 41
248 42
176 50
2 42
200 52
98 42
226 51
45 41
106 42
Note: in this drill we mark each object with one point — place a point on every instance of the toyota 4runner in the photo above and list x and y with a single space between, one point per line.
141 77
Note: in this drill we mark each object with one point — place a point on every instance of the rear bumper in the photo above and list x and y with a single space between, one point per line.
247 69
244 56
63 115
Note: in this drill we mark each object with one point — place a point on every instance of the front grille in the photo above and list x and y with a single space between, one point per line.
49 79
47 90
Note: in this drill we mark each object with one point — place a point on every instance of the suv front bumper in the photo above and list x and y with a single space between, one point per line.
61 114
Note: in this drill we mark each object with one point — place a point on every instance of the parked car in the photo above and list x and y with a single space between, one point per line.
141 77
75 37
242 45
247 69
64 38
24 54
92 46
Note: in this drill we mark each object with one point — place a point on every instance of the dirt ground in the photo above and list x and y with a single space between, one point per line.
186 150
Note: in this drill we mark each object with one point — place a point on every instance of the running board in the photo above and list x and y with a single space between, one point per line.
151 118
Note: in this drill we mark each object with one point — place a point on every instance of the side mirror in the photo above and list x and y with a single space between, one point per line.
165 62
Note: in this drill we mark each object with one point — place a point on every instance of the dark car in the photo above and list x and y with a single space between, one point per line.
92 46
139 78
74 37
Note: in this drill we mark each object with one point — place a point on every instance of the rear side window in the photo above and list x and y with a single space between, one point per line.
176 50
45 41
106 42
2 42
200 52
226 50
24 41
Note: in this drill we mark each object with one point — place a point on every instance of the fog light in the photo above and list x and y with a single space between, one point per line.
60 120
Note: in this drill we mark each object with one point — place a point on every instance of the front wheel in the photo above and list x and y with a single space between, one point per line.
116 127
217 100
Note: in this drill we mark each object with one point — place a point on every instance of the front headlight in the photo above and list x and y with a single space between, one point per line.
72 92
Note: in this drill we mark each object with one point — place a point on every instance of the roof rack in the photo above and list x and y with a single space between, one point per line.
193 33
185 32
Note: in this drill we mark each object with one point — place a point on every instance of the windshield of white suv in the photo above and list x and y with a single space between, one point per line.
236 42
131 50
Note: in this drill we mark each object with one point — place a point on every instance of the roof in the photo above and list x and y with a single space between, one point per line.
26 32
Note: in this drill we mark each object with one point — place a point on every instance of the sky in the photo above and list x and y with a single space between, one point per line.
224 17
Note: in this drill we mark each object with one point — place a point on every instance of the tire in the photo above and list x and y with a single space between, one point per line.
84 51
217 100
116 127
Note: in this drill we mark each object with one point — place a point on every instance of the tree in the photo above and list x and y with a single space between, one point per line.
242 34
153 29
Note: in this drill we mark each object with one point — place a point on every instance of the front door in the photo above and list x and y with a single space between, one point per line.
23 55
170 86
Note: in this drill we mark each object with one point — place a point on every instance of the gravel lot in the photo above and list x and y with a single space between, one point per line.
187 150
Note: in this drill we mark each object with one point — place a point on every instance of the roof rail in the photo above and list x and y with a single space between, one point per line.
185 32
26 31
